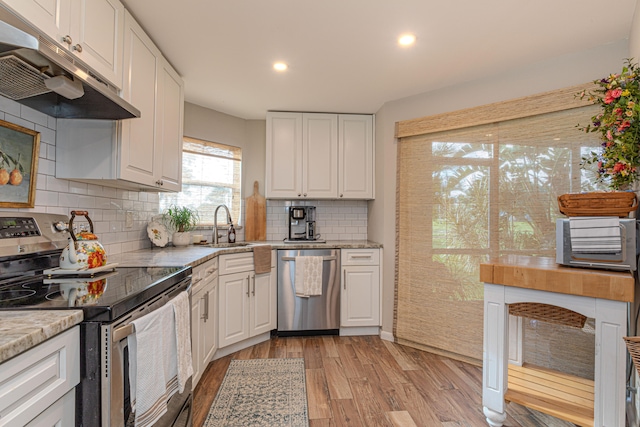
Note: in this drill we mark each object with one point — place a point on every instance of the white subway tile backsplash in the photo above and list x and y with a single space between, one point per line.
335 219
61 196
33 116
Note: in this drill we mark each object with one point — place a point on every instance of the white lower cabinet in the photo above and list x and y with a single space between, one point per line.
247 301
37 388
360 291
204 302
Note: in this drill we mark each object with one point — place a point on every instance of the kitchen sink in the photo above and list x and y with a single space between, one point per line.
227 245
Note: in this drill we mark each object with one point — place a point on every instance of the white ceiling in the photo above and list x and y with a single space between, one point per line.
343 55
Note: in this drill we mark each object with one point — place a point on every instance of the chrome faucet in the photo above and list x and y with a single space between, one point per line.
217 236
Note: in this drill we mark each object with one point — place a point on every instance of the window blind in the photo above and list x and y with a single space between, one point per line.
473 192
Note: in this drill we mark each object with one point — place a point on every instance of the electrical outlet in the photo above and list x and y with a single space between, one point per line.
128 219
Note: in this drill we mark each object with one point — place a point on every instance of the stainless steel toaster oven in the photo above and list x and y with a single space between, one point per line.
597 242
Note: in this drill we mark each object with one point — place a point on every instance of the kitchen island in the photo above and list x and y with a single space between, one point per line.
598 294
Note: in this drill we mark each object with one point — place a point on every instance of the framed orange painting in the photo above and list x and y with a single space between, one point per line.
19 151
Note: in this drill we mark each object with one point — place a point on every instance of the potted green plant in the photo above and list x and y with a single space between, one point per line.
183 219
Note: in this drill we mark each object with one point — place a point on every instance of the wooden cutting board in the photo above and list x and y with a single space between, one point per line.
255 216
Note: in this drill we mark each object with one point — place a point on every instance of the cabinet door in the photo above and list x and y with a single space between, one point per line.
210 321
50 16
60 413
356 156
233 308
97 31
320 156
360 296
284 155
263 303
197 343
170 124
141 60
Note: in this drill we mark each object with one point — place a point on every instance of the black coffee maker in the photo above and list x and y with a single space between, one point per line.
301 221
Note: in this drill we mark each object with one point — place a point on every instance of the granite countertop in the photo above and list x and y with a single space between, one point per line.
22 330
194 255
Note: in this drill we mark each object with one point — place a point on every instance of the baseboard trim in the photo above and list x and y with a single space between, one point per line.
387 336
225 351
359 330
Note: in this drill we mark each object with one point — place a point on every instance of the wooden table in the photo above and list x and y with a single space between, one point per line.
599 294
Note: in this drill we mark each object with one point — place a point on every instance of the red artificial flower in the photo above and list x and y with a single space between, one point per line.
612 95
619 167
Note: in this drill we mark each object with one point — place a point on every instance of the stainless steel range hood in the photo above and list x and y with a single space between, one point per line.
28 59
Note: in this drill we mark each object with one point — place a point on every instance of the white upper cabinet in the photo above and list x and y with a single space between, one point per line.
143 153
91 30
142 65
319 156
170 128
355 156
284 155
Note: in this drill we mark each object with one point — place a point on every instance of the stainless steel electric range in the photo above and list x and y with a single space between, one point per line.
30 245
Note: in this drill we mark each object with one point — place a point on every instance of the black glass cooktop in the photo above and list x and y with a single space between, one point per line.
104 297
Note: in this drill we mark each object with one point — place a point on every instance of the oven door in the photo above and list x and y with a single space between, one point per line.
116 393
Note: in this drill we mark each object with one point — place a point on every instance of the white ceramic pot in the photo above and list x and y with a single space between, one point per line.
181 239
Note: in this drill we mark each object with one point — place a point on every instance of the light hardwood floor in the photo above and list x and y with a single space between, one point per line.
369 382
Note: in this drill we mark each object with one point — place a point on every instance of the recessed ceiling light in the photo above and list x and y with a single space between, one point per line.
280 66
406 40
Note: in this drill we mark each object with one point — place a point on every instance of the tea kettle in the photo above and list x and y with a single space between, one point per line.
83 251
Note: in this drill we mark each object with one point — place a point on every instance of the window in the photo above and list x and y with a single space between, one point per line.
211 176
474 192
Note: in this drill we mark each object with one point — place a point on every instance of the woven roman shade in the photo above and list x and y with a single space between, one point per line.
468 193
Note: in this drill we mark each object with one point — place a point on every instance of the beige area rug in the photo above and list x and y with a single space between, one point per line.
261 392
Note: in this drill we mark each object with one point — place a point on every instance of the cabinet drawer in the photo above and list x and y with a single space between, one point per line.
203 273
236 263
360 256
37 378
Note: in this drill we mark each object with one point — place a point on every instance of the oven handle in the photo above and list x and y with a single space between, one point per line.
128 329
123 332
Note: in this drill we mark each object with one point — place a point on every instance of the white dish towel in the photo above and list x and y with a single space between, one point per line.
595 234
181 311
308 278
152 364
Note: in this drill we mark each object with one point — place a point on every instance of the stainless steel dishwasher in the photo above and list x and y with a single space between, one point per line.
318 314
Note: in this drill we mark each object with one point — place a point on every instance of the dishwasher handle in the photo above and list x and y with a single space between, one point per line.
292 258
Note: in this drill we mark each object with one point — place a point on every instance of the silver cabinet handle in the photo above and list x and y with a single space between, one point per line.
360 256
206 306
198 280
344 279
305 194
77 48
248 284
67 39
211 270
253 292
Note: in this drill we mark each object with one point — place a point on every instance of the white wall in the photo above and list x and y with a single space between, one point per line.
634 36
568 70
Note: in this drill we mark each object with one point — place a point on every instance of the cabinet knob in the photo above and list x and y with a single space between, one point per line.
77 48
67 39
159 182
305 194
299 194
340 195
